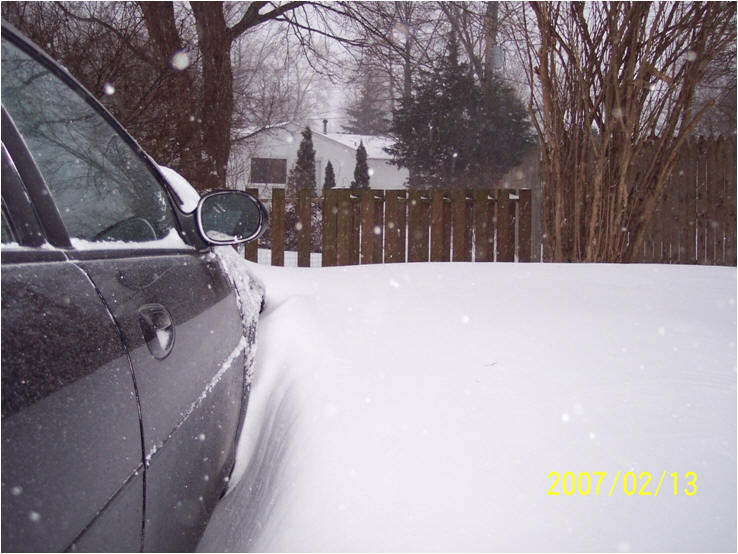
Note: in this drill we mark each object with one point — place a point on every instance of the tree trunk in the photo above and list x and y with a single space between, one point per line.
183 115
215 41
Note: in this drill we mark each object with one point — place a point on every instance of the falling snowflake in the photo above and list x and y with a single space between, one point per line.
180 60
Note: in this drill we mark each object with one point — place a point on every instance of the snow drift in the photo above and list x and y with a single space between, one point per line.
423 407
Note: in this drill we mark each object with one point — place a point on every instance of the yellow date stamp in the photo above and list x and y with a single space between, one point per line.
630 483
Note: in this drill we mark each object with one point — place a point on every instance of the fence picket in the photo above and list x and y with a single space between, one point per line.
367 227
251 249
278 213
726 213
482 249
304 227
524 225
505 226
460 250
469 229
438 243
378 231
355 228
447 211
417 227
330 218
395 220
343 227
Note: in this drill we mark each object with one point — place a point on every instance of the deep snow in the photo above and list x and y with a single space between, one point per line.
422 407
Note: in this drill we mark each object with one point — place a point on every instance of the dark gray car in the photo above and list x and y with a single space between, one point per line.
124 353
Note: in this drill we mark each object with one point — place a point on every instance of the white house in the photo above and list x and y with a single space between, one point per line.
276 154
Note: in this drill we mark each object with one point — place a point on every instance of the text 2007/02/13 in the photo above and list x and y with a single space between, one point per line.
633 484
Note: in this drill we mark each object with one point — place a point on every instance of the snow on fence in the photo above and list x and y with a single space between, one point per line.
352 227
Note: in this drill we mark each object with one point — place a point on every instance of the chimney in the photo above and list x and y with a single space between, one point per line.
325 126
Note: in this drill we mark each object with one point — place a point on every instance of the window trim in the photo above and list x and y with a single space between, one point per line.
38 193
8 223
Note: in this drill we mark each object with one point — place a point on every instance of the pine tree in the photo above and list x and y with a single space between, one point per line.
367 113
451 133
304 171
291 185
361 171
330 177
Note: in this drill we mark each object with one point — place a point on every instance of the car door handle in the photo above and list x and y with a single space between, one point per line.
158 329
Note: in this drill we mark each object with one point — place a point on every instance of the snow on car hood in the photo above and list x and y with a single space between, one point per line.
425 407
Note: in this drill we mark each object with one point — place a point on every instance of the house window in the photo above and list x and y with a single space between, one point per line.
269 170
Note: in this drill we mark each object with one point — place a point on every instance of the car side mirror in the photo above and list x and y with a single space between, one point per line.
230 217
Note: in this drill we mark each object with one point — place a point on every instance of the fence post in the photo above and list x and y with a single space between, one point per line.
304 217
505 227
277 226
525 214
251 249
395 202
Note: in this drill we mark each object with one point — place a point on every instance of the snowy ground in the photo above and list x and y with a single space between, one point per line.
423 407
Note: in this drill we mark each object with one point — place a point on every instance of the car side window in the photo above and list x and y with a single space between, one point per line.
103 189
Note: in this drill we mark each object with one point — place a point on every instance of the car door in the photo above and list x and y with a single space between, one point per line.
72 458
176 311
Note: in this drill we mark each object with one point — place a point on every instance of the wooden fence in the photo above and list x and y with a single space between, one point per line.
696 221
386 226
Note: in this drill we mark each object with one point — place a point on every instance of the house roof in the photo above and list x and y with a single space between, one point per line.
374 145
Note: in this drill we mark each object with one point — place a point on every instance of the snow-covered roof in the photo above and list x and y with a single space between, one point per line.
374 145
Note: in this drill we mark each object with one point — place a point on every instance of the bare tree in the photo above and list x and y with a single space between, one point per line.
613 84
395 40
170 68
104 46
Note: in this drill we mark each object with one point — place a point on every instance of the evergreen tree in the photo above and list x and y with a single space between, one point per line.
291 185
303 174
330 177
451 133
361 171
368 114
